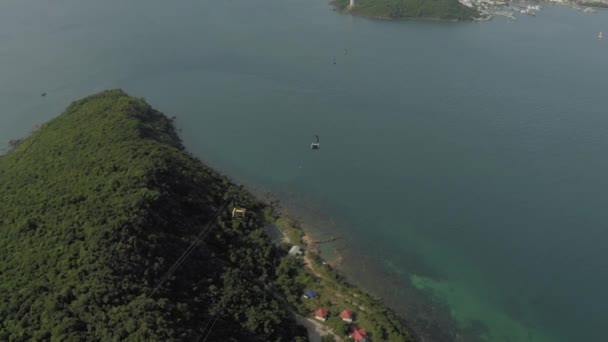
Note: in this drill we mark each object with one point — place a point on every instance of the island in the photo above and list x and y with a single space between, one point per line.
449 10
110 230
456 10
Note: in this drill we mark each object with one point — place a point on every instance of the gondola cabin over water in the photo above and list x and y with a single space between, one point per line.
315 144
239 213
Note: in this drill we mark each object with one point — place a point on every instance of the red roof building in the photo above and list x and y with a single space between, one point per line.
347 316
359 335
321 314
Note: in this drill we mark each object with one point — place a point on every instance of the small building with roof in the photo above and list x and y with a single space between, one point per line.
347 315
359 335
321 314
295 250
310 294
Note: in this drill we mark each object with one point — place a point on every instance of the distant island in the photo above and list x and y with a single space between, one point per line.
408 9
455 10
111 231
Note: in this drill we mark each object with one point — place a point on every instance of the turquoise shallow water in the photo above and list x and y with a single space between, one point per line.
463 162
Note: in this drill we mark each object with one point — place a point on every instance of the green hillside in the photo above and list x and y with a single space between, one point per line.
96 206
409 9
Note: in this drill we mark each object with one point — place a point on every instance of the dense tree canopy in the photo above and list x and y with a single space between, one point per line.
97 205
403 9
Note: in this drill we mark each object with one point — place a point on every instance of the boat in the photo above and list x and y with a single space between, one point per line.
600 35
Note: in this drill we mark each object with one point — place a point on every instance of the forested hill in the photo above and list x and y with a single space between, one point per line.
409 9
95 207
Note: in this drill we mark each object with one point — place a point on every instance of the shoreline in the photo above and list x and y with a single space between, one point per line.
425 320
337 288
335 291
420 315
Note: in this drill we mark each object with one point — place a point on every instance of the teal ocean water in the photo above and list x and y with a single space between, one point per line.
464 164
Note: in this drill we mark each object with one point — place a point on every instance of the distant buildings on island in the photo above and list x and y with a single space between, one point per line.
492 8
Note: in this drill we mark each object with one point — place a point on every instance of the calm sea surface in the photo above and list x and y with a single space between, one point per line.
464 164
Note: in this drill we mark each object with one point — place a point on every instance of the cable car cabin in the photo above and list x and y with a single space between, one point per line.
239 213
315 144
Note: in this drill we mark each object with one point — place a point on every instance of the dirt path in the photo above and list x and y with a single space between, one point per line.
306 240
315 329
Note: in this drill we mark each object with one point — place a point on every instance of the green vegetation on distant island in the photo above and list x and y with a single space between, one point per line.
597 4
99 203
409 9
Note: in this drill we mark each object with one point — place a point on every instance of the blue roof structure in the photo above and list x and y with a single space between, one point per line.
310 294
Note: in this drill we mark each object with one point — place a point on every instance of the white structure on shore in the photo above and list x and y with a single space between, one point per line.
352 4
295 251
